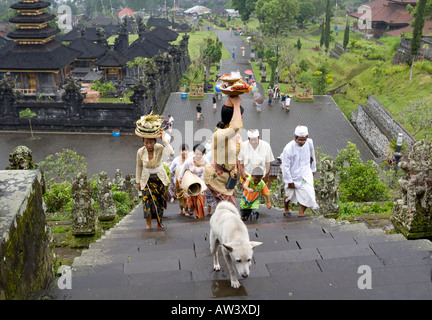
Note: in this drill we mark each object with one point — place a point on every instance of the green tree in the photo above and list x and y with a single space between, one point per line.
419 21
28 114
327 27
103 87
346 37
321 79
62 166
245 8
418 115
298 46
276 16
306 12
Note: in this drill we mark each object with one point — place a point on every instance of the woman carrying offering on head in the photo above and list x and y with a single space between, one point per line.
152 178
225 149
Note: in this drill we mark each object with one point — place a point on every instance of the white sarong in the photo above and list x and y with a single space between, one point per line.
304 194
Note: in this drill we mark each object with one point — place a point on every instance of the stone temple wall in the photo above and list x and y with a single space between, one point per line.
25 239
378 127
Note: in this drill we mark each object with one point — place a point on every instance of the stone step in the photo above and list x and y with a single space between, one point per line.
312 258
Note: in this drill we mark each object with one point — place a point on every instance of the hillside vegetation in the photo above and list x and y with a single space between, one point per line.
365 70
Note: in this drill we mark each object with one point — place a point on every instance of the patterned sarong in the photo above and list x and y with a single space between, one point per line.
159 193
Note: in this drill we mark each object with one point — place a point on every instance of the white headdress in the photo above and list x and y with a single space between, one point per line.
301 131
253 133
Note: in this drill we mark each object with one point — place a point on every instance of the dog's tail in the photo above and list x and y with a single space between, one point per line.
228 206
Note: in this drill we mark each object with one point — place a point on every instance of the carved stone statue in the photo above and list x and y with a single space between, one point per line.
326 189
106 203
278 195
84 216
130 188
21 158
412 213
119 180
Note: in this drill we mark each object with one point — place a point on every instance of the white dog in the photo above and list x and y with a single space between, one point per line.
227 229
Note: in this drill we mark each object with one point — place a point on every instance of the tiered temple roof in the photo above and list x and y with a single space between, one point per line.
35 47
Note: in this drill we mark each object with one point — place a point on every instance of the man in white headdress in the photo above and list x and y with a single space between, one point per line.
298 165
255 153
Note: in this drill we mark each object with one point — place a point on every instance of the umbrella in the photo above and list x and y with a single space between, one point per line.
242 47
258 98
249 72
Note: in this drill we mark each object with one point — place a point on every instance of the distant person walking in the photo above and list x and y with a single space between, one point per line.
283 100
270 95
288 103
199 112
214 103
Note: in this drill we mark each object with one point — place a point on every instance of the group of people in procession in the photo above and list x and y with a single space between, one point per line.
223 163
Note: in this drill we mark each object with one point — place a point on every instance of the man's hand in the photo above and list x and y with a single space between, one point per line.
291 185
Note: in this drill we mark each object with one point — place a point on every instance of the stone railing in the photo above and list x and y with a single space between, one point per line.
378 127
25 240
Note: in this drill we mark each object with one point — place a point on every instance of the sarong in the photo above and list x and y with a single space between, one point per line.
305 195
158 202
221 197
209 199
196 204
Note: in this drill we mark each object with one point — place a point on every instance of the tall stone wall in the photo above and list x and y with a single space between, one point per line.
403 52
25 239
378 127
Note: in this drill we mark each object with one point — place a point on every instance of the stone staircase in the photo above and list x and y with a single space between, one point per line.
301 258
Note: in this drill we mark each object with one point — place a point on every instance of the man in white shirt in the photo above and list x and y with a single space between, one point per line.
255 153
298 165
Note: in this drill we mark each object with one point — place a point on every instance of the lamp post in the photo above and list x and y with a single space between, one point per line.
398 155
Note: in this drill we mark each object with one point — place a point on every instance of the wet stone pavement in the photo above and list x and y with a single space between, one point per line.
301 258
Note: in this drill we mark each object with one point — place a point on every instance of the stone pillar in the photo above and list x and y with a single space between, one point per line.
106 203
412 212
74 98
7 98
139 98
84 216
326 189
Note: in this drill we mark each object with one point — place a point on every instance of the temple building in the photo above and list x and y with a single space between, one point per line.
38 62
389 17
